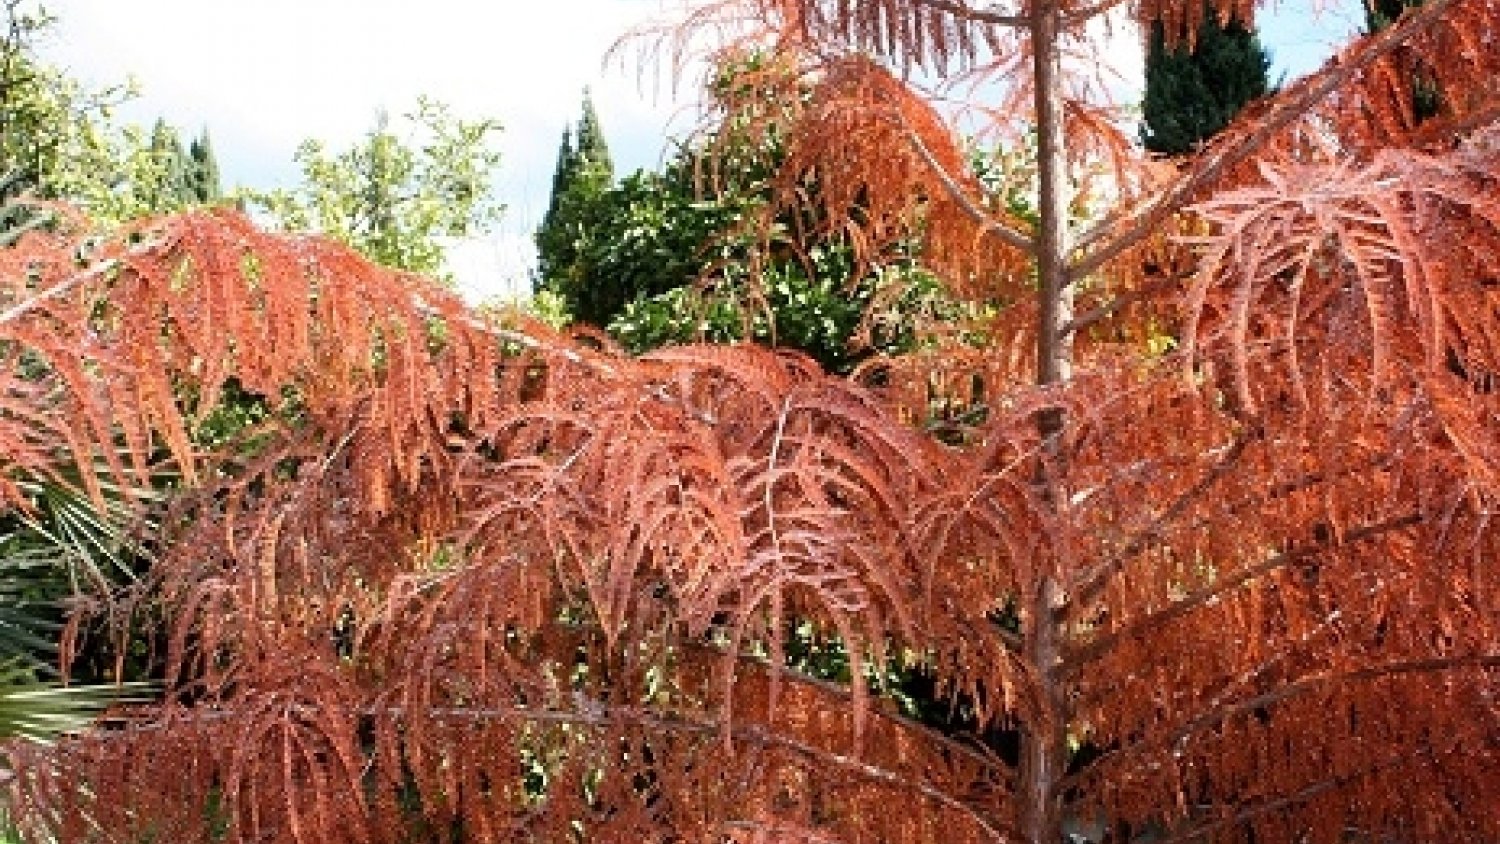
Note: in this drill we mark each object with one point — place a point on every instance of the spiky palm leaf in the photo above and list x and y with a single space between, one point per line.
41 711
62 546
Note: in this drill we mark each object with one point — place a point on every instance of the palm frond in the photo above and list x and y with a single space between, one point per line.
40 711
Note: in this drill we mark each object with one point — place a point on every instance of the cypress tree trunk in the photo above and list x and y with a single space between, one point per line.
1044 745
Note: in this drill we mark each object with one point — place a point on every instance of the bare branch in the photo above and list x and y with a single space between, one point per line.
961 9
988 223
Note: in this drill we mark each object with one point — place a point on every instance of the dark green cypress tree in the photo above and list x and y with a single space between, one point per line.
1191 94
204 185
551 240
592 151
584 174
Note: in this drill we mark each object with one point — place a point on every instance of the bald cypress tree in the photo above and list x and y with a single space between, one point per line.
1194 90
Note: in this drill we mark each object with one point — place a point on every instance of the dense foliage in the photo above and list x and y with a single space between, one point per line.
580 203
396 197
174 176
699 252
60 549
53 139
1426 99
481 582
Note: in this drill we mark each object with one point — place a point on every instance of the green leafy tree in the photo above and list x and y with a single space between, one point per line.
164 176
59 140
56 138
1194 89
643 237
679 256
683 267
394 197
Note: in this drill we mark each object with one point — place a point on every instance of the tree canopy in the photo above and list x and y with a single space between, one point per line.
484 582
395 197
54 139
580 205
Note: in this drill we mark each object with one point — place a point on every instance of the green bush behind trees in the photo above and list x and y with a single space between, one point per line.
680 256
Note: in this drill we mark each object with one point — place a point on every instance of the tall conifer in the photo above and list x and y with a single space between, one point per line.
1193 91
203 171
584 172
169 168
550 236
592 151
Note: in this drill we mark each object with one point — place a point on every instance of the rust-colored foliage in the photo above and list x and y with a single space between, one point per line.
489 583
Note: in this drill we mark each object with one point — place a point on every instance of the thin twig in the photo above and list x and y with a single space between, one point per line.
969 13
1145 291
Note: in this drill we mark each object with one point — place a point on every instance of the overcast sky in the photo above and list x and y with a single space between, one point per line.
263 76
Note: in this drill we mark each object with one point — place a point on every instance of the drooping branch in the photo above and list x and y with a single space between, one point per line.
1245 814
1079 655
1305 685
69 285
